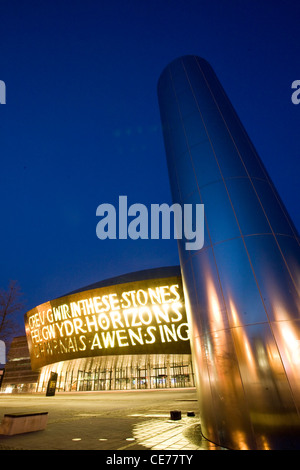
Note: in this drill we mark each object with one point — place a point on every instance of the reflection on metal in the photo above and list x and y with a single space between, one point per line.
242 287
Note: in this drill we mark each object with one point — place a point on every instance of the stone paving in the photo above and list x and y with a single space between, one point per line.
129 420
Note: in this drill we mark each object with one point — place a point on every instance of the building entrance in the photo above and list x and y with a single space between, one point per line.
120 373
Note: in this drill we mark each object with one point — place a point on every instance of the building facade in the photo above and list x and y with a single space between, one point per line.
234 302
18 376
242 288
124 333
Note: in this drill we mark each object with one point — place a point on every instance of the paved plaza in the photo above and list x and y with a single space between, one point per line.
115 420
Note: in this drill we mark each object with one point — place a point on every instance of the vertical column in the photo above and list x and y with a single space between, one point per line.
168 369
242 287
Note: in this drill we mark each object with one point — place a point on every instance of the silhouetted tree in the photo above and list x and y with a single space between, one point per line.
10 304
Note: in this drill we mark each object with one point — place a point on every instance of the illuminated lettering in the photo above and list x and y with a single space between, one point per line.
132 313
66 311
142 312
105 300
96 342
170 333
75 309
97 304
174 289
50 315
42 317
124 297
186 337
141 294
72 345
107 321
45 333
149 331
69 327
126 313
90 307
162 336
91 323
108 339
120 338
35 351
34 321
134 321
49 348
114 301
155 295
57 313
103 321
132 295
161 316
51 331
175 309
165 295
82 345
78 325
35 336
60 329
116 319
62 346
138 337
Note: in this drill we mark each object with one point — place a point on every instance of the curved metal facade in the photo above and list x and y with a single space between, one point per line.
143 316
242 288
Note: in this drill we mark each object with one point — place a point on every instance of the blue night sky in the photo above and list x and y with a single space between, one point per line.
81 123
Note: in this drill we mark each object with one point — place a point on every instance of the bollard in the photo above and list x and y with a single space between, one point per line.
175 414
